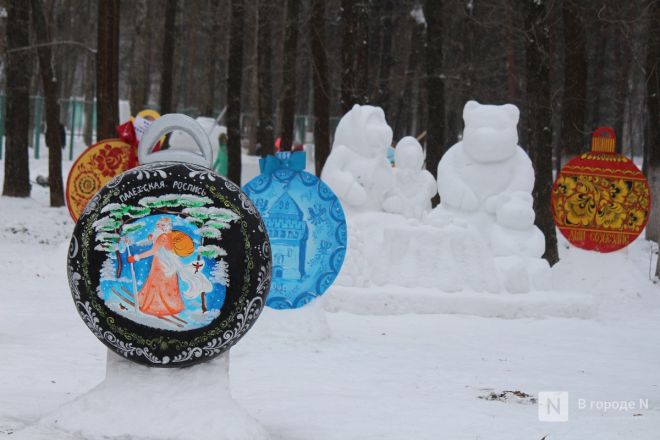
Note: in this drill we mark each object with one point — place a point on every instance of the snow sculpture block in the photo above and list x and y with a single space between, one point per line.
306 226
357 169
414 186
450 259
169 264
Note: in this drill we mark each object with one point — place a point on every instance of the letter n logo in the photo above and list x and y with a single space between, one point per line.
553 406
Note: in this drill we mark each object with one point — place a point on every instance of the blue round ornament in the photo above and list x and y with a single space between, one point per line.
306 226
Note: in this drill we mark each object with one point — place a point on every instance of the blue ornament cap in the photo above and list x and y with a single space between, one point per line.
306 226
290 160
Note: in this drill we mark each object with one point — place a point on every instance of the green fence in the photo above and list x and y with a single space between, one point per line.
74 111
72 116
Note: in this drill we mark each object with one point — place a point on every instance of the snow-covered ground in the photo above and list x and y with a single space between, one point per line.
390 363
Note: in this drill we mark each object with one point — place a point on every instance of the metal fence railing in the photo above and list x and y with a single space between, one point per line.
75 112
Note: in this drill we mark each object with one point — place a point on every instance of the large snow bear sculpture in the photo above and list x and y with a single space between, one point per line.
487 162
414 186
357 169
485 182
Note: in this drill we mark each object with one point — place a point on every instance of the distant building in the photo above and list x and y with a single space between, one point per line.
288 238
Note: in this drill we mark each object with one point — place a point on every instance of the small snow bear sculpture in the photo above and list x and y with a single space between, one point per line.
514 232
487 162
357 169
414 187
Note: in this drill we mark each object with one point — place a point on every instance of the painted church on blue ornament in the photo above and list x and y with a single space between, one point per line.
288 235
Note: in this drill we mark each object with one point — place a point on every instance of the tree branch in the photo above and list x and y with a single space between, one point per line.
53 43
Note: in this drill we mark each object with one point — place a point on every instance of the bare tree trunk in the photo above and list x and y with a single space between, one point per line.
539 134
405 108
234 82
361 91
265 131
88 130
435 89
348 21
386 60
653 102
288 100
167 66
208 98
141 67
107 69
321 86
574 109
51 92
19 72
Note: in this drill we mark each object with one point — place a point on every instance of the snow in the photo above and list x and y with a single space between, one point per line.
417 14
367 361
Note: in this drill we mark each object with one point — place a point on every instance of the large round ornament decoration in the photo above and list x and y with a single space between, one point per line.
100 162
95 167
169 263
306 226
601 200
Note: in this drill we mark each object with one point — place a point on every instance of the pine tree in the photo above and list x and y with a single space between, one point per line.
220 274
108 270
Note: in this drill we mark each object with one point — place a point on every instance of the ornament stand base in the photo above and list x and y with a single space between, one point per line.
137 402
305 323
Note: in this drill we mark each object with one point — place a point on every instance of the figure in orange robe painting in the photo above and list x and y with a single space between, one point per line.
161 293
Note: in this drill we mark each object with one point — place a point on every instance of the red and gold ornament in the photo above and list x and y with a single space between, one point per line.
95 167
99 163
600 200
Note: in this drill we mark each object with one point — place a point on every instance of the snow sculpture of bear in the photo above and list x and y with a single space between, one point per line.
357 169
485 183
487 162
514 232
517 244
414 187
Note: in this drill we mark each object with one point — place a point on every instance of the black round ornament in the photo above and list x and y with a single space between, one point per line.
169 264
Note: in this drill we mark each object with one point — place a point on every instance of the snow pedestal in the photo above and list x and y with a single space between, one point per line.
308 323
137 402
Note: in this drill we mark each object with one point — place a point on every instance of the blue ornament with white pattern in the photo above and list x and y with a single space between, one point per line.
306 226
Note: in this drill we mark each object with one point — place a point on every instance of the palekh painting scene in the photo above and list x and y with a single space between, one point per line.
329 219
164 263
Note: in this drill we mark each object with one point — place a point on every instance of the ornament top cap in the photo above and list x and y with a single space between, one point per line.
167 124
603 140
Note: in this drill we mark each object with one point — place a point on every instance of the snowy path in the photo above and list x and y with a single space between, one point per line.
402 376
